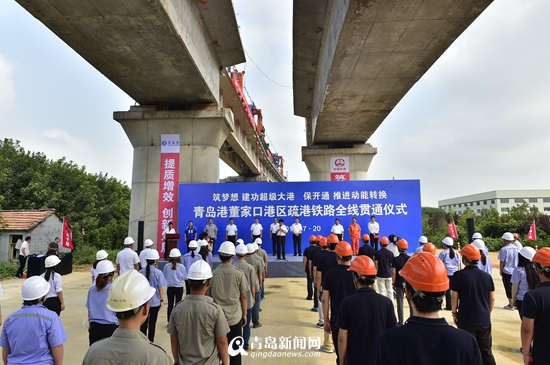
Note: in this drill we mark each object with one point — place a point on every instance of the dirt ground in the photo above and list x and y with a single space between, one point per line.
286 319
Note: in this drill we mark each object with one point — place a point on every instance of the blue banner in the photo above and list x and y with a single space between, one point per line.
394 203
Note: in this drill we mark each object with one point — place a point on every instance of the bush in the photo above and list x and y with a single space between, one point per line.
7 270
85 255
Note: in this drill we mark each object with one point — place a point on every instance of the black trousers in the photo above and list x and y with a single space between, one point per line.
98 331
297 240
174 296
281 247
315 297
309 284
448 297
335 331
22 261
339 239
519 305
53 304
187 288
484 341
373 241
151 323
507 281
235 331
274 243
232 239
254 236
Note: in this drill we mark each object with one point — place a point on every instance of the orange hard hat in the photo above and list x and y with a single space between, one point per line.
425 272
312 238
323 242
516 236
542 257
318 238
366 237
384 240
363 265
402 244
332 239
471 252
429 247
343 249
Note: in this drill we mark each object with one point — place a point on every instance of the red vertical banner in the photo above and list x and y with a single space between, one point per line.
339 168
168 185
452 230
67 235
532 235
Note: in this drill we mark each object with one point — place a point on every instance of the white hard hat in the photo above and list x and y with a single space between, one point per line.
423 239
527 252
508 236
448 241
250 248
479 243
152 255
239 241
477 236
227 248
129 291
255 246
128 241
148 242
193 244
258 241
35 288
101 255
200 270
52 261
241 250
175 253
202 243
104 267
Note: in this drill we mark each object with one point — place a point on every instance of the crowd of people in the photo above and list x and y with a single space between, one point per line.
212 323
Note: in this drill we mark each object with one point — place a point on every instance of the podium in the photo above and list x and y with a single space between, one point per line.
171 242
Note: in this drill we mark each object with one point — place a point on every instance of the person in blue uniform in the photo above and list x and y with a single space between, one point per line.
535 325
508 257
473 299
33 334
54 301
190 232
175 274
451 260
485 263
102 321
158 282
337 285
426 338
398 282
524 277
359 330
366 249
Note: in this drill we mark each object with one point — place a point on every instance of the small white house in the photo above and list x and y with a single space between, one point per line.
42 225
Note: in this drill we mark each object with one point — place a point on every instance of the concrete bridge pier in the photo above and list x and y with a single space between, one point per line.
202 133
318 160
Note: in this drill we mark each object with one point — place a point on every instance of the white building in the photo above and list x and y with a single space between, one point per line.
501 200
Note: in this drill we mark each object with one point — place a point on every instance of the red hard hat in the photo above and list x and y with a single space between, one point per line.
366 237
425 272
402 244
542 257
323 242
384 240
332 239
471 252
343 249
318 238
429 247
363 265
312 238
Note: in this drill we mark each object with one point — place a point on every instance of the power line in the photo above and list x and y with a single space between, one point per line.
263 73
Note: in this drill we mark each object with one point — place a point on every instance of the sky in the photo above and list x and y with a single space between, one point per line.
476 121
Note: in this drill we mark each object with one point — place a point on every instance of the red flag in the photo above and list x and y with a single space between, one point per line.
452 230
67 235
532 235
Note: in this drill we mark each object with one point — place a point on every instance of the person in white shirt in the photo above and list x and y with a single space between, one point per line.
127 259
24 252
296 230
374 230
231 232
148 245
338 229
273 234
282 230
168 230
256 229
